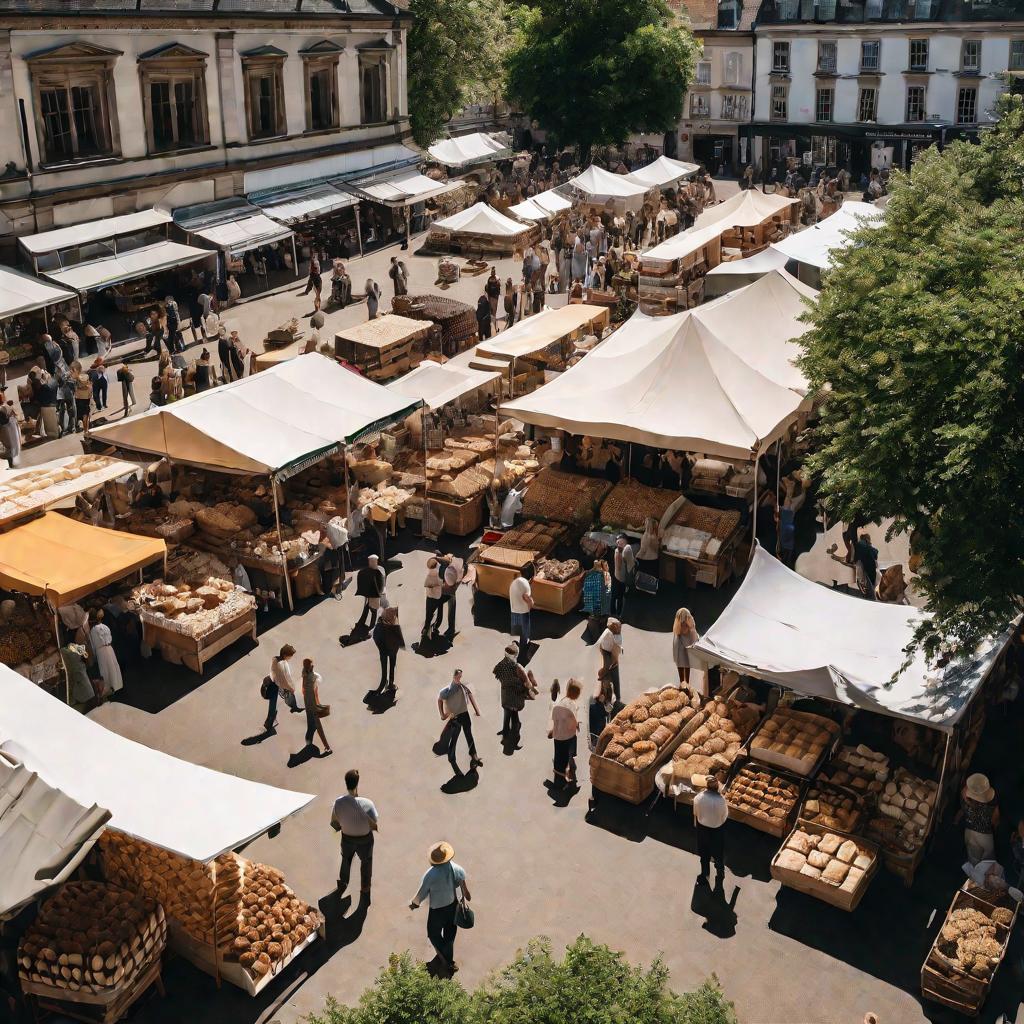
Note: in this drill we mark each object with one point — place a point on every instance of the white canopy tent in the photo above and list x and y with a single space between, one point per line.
23 293
668 382
662 173
816 245
598 186
821 643
94 231
535 333
727 277
277 420
480 219
541 206
744 209
178 806
436 385
405 189
126 266
469 149
241 233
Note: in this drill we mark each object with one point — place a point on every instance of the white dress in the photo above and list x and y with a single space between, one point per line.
106 660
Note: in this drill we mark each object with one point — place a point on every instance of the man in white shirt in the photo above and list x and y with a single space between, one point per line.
453 574
609 643
623 568
333 568
520 602
356 819
453 702
710 813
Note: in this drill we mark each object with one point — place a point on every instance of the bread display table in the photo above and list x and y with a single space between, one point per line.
548 596
195 651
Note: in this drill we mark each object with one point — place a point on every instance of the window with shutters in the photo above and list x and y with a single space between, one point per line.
867 105
780 103
320 67
174 98
372 90
967 105
264 94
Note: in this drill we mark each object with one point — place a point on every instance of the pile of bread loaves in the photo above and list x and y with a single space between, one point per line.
712 747
860 768
831 808
763 794
92 937
829 859
904 811
970 941
793 739
195 610
641 730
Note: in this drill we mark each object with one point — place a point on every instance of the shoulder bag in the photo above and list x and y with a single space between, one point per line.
465 917
267 687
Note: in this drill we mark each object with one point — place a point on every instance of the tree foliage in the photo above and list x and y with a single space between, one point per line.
591 984
919 335
594 72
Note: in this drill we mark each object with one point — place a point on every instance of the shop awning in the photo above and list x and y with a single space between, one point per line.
264 424
662 172
600 186
668 382
93 231
233 226
178 806
332 169
44 835
289 207
817 245
541 206
127 266
480 219
435 384
469 149
62 559
402 190
822 643
535 333
21 293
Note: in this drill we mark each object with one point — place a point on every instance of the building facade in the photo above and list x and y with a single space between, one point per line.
870 83
116 106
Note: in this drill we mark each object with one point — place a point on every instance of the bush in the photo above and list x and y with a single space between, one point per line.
591 984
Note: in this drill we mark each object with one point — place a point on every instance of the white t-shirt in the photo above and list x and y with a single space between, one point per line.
710 809
517 595
608 641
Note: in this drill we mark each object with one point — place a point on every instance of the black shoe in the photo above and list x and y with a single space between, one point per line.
702 879
501 733
296 711
475 762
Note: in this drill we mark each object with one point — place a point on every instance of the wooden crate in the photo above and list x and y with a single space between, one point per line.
774 827
105 1008
194 652
460 519
635 787
831 894
548 596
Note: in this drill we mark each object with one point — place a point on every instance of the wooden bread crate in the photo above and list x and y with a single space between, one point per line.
773 826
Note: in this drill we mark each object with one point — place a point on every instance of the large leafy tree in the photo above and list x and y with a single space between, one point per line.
594 72
919 335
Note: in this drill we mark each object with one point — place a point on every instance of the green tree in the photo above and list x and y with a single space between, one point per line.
919 337
594 72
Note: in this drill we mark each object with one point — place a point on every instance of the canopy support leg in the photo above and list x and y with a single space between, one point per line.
359 230
753 518
778 470
67 676
280 544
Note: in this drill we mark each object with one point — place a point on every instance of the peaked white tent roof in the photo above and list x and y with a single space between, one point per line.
662 172
276 419
668 382
176 805
823 643
744 209
468 149
435 384
21 293
817 244
761 324
600 185
762 262
480 219
541 206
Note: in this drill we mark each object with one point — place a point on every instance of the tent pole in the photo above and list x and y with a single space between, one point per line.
753 518
359 231
778 469
67 677
295 255
426 499
940 793
280 544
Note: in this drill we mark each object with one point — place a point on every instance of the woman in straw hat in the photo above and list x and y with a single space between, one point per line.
440 886
981 816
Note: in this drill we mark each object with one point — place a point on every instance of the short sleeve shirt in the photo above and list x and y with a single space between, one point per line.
608 641
710 809
517 595
455 698
354 814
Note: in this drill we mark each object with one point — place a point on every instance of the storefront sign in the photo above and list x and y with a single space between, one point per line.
901 136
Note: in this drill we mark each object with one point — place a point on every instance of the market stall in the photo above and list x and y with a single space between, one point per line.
480 230
595 189
402 195
470 150
727 277
27 305
455 321
543 206
662 173
384 348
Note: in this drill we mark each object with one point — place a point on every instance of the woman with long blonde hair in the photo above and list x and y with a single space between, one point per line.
684 636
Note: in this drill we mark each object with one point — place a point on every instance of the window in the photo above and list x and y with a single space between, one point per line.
823 103
967 105
321 95
263 71
727 13
742 108
873 9
728 108
73 102
827 57
780 58
699 106
733 68
923 9
970 56
703 72
372 88
870 55
174 98
1016 55
780 103
918 54
867 105
915 103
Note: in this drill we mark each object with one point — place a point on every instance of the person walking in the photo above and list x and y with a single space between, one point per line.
370 584
372 298
510 303
281 673
492 289
46 396
710 813
387 636
102 643
684 636
83 396
311 680
454 572
314 283
623 567
483 317
517 687
356 818
610 646
127 380
602 706
565 726
440 886
453 702
399 276
175 342
980 816
98 377
435 606
520 602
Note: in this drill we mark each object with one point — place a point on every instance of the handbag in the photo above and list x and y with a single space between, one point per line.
646 583
464 914
267 687
323 710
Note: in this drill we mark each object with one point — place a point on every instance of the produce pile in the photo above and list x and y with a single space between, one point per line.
564 497
719 523
829 859
26 634
713 747
152 522
860 768
92 937
558 572
449 461
763 794
830 807
793 739
37 487
971 942
641 730
904 812
195 610
629 504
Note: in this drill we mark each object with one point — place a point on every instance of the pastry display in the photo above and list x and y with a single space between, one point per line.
718 523
859 768
193 609
386 497
638 734
522 544
763 794
92 937
26 634
832 807
971 941
564 497
715 744
794 740
558 572
33 489
825 861
629 505
905 808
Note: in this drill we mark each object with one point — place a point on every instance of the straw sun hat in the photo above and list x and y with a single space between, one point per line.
978 788
441 853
